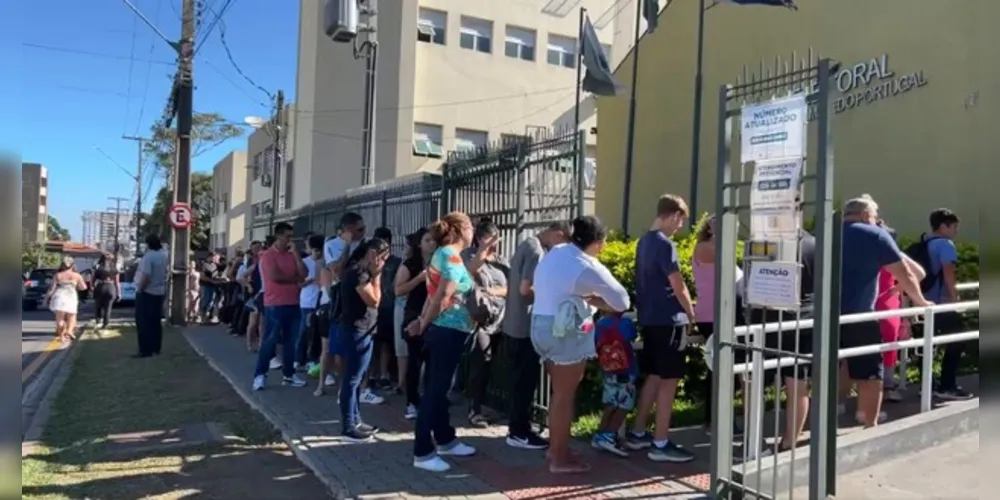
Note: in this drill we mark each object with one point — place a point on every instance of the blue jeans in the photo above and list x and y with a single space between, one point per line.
302 337
282 323
356 350
206 299
444 350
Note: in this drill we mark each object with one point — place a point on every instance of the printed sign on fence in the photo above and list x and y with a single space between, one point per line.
773 130
774 199
774 285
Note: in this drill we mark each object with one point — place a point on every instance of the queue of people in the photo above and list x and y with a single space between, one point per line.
346 310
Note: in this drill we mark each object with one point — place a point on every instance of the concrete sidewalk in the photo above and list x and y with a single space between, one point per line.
383 469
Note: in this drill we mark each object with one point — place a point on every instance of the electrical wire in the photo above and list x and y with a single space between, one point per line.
68 50
229 54
211 26
149 71
234 84
131 66
442 104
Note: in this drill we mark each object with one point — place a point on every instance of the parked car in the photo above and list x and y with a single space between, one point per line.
128 286
36 283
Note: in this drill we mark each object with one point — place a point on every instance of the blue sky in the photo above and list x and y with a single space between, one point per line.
88 80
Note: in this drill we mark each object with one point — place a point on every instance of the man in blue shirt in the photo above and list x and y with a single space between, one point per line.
664 310
944 289
866 249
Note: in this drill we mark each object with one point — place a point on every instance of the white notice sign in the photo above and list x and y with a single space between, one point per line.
775 129
774 285
774 195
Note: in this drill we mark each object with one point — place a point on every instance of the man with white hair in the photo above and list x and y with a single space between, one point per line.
868 248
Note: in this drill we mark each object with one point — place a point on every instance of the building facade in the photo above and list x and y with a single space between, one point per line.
452 74
910 104
34 203
260 158
229 183
104 229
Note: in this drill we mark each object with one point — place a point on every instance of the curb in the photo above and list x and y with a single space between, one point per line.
58 368
337 489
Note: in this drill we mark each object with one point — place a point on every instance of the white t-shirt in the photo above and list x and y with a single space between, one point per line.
566 273
334 248
309 294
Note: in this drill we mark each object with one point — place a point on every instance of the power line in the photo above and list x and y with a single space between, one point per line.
229 54
441 104
149 72
211 26
131 65
234 84
68 50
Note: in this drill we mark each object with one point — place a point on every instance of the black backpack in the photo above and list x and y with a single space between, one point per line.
920 252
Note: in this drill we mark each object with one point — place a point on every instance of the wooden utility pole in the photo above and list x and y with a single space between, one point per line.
182 177
138 190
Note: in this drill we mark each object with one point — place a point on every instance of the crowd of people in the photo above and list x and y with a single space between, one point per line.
351 314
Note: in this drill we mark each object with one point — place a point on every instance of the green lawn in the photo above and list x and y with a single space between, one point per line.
110 393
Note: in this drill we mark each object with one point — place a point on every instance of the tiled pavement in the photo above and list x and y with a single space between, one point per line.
383 469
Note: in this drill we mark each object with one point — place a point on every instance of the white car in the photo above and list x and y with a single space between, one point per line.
128 293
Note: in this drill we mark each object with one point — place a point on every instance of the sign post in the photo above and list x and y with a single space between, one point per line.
180 216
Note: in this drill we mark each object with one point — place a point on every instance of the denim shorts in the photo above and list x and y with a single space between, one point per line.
566 350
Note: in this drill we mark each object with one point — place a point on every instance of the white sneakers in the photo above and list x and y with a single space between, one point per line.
293 381
370 398
329 381
258 382
275 364
435 463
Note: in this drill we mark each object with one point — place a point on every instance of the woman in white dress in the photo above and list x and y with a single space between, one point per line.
63 298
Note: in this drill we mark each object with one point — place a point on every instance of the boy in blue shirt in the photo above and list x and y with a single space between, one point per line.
614 336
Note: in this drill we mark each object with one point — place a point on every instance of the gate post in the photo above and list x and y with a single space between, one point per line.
579 161
385 209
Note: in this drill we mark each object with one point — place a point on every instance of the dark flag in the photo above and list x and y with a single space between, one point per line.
788 4
651 12
599 79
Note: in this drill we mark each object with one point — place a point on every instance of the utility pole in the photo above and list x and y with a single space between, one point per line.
182 177
138 190
117 200
278 130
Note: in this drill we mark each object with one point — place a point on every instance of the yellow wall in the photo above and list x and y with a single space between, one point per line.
916 151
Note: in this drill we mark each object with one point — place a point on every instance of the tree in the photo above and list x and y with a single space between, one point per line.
55 231
201 204
208 130
34 256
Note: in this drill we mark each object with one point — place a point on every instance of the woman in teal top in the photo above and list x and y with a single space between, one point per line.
446 326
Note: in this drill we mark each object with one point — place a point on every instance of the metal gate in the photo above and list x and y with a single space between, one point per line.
759 468
524 184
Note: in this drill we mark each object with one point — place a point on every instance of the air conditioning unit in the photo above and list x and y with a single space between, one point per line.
265 180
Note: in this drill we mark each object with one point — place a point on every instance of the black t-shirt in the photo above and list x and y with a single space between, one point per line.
105 273
354 313
416 298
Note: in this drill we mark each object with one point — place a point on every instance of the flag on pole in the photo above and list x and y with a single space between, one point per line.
599 79
651 12
788 4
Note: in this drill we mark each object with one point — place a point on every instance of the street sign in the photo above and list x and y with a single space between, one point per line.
180 216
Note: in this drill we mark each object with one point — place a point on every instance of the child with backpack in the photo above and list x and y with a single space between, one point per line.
613 337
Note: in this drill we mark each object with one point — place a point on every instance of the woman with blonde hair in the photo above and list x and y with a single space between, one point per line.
63 298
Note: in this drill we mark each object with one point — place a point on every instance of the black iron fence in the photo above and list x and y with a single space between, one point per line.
522 183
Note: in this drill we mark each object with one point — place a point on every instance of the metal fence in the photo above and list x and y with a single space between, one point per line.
523 183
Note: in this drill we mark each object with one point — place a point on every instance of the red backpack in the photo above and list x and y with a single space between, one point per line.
613 349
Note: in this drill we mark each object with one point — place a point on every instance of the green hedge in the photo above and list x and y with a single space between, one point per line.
619 257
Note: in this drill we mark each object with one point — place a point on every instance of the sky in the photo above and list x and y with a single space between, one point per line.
93 72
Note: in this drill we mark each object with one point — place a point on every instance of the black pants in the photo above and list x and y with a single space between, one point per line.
104 298
946 323
149 328
480 363
415 362
524 375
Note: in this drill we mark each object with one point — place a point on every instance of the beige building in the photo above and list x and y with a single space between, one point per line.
229 217
34 203
912 103
452 74
258 183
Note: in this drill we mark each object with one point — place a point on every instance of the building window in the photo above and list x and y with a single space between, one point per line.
470 140
427 140
432 26
476 34
257 165
562 51
519 43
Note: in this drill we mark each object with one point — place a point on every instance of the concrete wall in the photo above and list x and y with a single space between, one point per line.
229 191
914 151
